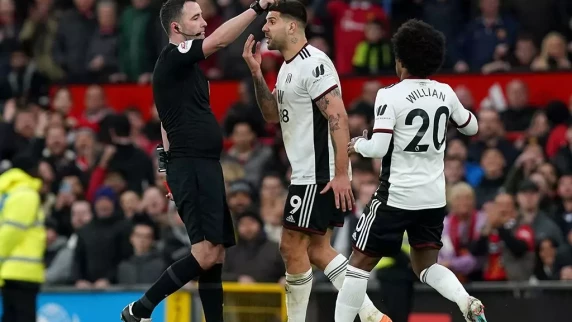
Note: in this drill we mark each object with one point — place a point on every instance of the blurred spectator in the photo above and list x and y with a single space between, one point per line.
154 206
137 124
490 135
537 131
349 20
176 243
247 151
563 213
23 81
545 259
374 54
54 242
253 247
563 159
130 204
60 269
9 32
507 243
146 264
210 13
528 198
240 197
524 166
39 33
433 11
19 135
518 115
273 195
461 228
454 171
473 172
493 165
102 244
137 54
488 37
132 162
75 30
244 110
558 117
553 54
102 51
364 104
96 109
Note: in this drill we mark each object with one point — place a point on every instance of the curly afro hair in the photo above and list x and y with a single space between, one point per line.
419 47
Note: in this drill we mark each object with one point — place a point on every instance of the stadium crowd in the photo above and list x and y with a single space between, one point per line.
107 218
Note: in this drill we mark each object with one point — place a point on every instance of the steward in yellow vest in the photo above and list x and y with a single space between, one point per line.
22 240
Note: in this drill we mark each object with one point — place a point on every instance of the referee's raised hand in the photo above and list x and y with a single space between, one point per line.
253 60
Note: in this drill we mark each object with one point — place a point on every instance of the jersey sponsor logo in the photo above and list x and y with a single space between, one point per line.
288 78
185 46
280 97
381 110
318 71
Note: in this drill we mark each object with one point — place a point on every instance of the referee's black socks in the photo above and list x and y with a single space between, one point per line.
210 290
177 275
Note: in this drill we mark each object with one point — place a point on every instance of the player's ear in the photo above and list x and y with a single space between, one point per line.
291 27
175 26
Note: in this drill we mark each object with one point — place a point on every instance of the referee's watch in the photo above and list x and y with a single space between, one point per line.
257 7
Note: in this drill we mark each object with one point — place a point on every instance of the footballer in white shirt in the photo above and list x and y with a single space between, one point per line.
307 103
409 136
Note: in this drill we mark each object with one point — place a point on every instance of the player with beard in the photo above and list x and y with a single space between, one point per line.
308 105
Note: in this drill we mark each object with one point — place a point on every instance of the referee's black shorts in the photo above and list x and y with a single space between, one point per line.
198 190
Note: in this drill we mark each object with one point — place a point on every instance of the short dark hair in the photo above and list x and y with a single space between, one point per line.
121 126
171 11
419 47
292 8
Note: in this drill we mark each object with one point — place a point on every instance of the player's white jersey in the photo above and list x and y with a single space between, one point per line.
416 111
301 82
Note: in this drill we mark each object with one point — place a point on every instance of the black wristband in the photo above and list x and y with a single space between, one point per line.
257 8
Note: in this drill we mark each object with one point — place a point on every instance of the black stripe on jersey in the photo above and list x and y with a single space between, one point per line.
304 53
382 192
321 150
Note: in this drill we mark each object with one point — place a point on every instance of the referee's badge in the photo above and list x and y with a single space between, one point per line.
185 46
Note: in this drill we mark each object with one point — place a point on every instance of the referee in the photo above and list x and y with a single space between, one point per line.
193 140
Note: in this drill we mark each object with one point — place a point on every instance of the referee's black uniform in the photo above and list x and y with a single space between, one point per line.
194 173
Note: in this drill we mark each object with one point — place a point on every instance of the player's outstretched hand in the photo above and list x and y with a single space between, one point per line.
253 60
342 187
351 145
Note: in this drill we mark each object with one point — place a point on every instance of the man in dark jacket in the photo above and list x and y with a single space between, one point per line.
146 264
265 264
102 244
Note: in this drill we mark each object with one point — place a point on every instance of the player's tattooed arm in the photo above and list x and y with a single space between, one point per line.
266 100
332 108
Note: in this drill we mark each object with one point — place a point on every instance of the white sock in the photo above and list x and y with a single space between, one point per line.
298 288
351 295
336 272
446 283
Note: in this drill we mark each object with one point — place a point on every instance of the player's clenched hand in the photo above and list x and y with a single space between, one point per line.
253 60
266 3
343 194
352 144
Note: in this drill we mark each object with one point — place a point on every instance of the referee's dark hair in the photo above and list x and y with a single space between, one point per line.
171 11
419 47
291 8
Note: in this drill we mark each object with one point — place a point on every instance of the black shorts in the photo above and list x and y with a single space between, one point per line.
199 193
380 229
309 211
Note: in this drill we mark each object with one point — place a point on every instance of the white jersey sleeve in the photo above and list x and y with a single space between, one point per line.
463 119
319 78
384 114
